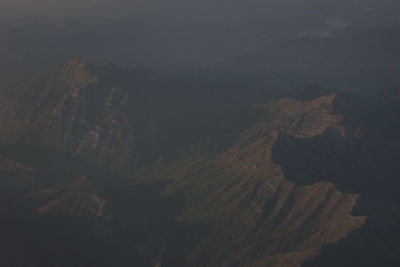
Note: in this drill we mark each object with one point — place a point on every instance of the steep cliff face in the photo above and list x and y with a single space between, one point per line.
71 109
259 217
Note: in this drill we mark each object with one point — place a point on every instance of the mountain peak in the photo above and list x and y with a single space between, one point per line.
77 60
75 75
74 66
77 64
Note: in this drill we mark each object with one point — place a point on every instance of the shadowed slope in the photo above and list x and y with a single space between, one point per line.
259 217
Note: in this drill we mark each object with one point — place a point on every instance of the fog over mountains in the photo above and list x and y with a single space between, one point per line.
38 36
168 133
189 23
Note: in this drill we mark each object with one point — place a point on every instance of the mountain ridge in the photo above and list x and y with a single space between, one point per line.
244 187
276 186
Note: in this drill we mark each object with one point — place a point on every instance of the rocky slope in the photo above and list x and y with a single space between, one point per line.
259 217
82 198
70 109
285 183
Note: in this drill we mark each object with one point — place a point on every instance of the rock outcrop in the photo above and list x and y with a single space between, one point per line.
71 109
259 217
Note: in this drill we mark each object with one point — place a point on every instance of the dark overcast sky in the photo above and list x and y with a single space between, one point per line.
163 31
42 34
181 8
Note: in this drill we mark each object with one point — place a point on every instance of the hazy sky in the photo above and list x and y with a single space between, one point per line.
179 8
179 32
63 7
173 30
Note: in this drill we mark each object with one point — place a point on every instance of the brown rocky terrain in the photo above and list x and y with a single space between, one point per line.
285 183
70 109
260 218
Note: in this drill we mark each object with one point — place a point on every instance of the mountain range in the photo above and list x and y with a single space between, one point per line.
114 167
